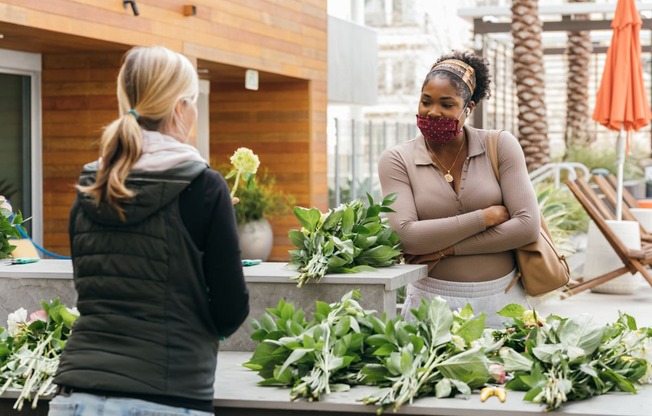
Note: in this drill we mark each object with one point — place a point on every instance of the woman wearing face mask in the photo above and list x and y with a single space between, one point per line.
452 213
155 256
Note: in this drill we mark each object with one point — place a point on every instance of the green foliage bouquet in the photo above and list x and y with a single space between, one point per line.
8 223
348 239
447 353
557 359
30 347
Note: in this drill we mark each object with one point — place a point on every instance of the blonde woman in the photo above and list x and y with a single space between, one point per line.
155 256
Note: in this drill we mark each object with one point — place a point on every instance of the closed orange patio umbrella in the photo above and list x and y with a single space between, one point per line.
621 103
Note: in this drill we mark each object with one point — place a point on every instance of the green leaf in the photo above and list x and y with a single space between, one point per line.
348 219
389 199
322 307
513 361
443 388
342 327
472 329
309 218
441 319
462 387
470 366
512 310
295 356
517 383
406 361
297 238
581 331
385 350
333 220
546 352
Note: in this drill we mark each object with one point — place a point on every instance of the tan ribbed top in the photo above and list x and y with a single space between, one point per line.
430 216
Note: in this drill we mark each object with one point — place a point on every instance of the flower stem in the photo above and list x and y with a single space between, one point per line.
237 181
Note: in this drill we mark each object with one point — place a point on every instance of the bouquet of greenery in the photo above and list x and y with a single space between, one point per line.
347 239
345 345
9 221
445 353
30 349
563 359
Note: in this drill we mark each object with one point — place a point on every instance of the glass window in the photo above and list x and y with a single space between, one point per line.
15 139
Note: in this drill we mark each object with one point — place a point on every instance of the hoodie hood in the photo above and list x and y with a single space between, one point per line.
153 190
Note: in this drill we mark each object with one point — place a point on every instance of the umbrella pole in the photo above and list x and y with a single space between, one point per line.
620 158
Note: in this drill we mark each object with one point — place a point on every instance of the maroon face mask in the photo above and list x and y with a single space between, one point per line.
439 130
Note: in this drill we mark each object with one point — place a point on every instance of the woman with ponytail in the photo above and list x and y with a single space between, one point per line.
155 256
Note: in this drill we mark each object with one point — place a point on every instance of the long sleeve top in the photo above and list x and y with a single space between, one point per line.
430 216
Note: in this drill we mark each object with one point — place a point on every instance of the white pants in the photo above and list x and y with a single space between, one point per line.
488 297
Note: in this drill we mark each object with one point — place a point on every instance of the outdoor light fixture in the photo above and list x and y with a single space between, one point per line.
189 10
132 3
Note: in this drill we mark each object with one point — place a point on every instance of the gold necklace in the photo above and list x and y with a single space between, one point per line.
449 178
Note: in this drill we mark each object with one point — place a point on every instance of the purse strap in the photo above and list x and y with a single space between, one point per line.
492 152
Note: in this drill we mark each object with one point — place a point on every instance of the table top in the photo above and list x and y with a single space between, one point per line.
267 272
236 387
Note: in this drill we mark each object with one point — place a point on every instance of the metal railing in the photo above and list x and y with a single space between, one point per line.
354 147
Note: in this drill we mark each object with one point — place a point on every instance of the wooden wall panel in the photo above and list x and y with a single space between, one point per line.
78 99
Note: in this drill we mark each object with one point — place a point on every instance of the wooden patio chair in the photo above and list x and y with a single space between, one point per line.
634 261
628 198
607 185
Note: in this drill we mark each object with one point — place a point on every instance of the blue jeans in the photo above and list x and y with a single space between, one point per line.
82 404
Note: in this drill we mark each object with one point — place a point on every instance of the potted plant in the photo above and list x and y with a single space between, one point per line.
259 200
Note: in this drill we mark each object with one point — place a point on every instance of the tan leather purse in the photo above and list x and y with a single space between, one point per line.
540 267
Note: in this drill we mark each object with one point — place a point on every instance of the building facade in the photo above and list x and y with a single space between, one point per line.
58 64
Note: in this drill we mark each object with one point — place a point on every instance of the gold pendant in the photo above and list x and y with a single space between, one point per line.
448 177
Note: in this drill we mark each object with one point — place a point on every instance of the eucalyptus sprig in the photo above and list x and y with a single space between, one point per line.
347 239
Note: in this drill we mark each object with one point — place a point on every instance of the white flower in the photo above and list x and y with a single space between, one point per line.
73 310
4 205
245 161
14 320
458 342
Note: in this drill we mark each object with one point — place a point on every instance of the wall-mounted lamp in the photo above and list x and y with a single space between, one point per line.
189 10
132 3
251 79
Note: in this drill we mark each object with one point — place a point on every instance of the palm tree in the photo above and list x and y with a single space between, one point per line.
578 53
532 133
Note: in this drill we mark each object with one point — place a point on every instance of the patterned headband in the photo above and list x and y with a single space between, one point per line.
458 68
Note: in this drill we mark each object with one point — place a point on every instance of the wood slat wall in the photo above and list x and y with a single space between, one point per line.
78 100
284 37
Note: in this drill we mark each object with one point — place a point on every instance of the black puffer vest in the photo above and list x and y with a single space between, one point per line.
145 326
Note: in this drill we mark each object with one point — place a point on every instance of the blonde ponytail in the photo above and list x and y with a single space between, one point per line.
120 148
150 83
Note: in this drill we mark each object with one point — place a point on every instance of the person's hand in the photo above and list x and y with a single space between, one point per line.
235 200
494 215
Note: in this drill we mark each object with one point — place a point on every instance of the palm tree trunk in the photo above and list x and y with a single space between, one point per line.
532 133
578 53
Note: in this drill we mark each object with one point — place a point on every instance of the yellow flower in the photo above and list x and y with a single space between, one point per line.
528 317
245 161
